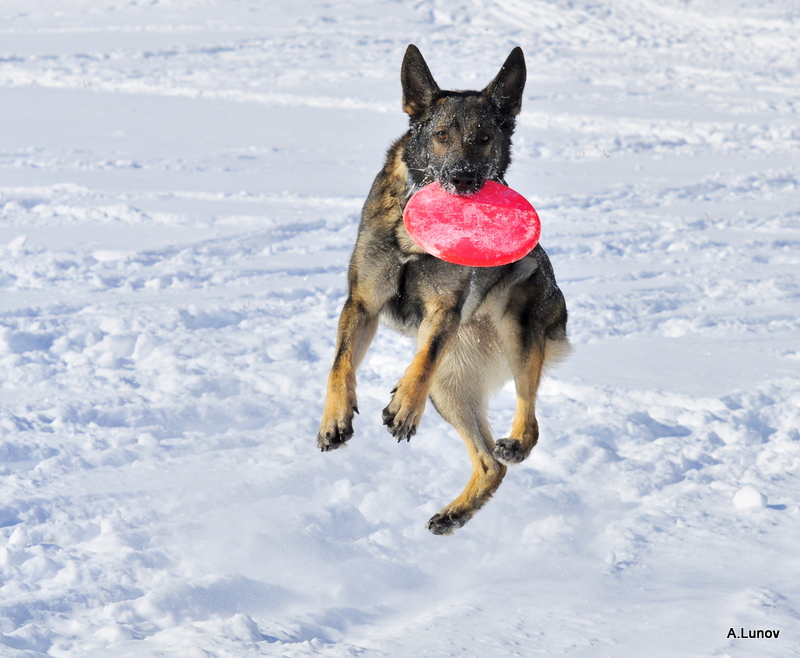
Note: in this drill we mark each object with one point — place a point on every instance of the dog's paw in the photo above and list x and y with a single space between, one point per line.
445 522
334 434
509 451
402 415
400 427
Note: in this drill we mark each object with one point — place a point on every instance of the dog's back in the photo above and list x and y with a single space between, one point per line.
475 327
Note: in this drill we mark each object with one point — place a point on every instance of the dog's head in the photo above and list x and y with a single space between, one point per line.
460 138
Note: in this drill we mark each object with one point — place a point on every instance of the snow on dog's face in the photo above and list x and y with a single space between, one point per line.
460 138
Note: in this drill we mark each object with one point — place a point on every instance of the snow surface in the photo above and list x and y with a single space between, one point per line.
180 189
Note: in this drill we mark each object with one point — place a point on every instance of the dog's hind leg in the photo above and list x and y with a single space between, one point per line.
468 418
459 393
357 326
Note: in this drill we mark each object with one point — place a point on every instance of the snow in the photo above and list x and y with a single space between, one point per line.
181 182
749 498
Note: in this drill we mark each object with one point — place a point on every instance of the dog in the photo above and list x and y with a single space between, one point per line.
475 327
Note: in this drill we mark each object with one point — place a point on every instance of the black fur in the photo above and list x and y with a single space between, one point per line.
473 325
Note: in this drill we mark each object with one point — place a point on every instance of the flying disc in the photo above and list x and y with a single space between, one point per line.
494 226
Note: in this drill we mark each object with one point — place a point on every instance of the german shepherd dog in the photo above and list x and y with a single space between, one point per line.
475 327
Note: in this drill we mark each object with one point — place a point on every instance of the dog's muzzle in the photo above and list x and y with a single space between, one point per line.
463 183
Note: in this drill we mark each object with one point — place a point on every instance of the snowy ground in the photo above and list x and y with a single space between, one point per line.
180 183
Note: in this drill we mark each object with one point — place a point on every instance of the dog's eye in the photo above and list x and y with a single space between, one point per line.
441 135
484 137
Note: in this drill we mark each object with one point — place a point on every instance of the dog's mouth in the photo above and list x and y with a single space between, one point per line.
462 183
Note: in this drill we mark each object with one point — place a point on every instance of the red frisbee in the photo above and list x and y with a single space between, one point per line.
495 226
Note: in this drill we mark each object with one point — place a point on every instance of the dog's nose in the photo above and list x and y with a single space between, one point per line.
465 181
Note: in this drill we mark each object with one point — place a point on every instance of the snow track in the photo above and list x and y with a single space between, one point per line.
180 185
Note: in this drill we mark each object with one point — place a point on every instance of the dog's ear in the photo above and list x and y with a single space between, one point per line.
419 87
505 91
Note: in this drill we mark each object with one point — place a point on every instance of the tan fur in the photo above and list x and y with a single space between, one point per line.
475 327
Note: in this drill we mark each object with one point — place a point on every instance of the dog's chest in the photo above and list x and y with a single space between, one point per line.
426 284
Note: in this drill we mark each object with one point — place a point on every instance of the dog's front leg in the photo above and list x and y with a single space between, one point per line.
524 435
404 412
357 326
